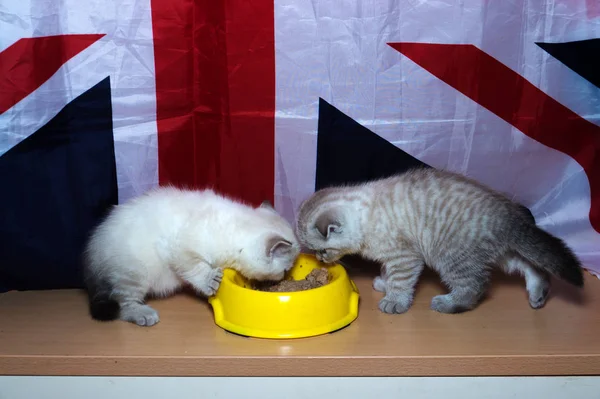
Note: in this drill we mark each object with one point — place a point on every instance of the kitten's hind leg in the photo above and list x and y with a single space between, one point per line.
467 281
537 281
130 295
202 277
139 313
538 286
401 276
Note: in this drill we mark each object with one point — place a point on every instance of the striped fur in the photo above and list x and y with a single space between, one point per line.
452 224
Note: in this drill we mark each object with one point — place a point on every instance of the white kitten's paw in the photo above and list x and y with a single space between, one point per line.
379 284
213 281
394 304
142 315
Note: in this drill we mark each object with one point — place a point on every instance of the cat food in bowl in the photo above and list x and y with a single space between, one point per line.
316 278
314 299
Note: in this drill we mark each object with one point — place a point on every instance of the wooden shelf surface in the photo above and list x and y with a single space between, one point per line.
51 333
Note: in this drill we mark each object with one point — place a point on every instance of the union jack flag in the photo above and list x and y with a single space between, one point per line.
102 100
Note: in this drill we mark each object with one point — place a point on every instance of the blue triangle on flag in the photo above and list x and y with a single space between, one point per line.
348 152
58 183
581 56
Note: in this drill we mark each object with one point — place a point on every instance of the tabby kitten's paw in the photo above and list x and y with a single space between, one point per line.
394 304
447 304
539 296
379 284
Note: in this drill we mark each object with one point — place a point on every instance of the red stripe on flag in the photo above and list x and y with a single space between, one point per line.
215 83
593 8
173 63
507 94
29 62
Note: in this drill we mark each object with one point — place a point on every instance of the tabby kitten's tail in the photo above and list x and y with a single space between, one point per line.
548 253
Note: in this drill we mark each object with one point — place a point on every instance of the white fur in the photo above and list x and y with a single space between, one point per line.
167 237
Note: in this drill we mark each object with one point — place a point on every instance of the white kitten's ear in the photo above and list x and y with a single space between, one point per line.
328 223
277 246
267 204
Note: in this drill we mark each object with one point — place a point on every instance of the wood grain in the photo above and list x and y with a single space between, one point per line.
51 333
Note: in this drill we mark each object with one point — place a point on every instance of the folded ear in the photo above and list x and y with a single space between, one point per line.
277 246
267 204
328 223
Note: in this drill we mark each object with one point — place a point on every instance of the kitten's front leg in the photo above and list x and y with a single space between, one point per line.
398 280
203 277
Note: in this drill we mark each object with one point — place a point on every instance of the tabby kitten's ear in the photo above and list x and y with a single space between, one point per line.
267 204
277 246
328 223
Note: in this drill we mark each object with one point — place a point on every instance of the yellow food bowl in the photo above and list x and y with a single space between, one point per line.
242 310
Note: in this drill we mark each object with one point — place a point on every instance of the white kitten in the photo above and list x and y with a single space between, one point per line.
168 237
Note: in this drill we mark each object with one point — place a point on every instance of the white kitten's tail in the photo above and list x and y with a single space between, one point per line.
102 306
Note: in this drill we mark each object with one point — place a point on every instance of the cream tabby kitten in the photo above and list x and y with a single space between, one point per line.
168 237
454 225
